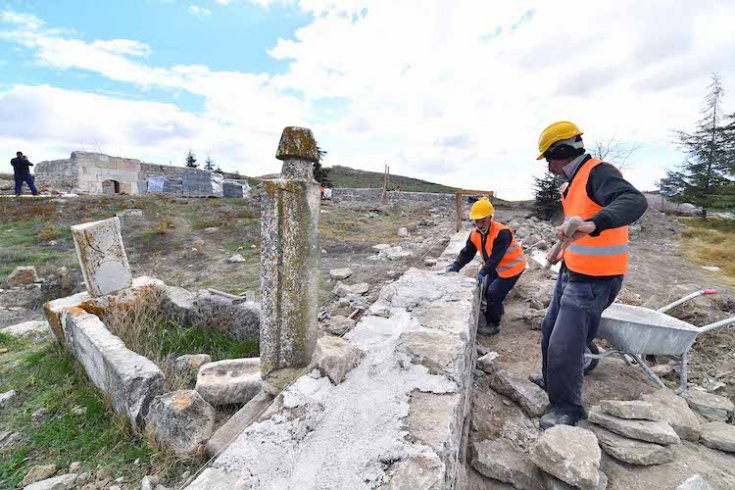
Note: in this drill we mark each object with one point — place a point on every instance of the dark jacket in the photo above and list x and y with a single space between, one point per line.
500 245
21 165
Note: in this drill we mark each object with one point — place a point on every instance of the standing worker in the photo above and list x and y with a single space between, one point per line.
595 260
503 261
22 173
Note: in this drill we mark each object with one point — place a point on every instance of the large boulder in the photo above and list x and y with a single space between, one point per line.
181 421
229 381
569 453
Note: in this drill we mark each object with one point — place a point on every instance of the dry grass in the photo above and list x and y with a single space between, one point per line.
710 242
342 224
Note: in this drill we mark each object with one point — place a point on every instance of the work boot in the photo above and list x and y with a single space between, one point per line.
554 417
488 329
538 381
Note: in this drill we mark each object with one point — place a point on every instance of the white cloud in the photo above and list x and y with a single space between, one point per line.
455 92
222 2
198 11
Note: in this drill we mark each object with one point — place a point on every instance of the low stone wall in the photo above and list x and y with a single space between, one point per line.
58 174
397 419
371 197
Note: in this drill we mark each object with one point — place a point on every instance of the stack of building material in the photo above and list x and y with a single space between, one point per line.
164 185
233 188
202 183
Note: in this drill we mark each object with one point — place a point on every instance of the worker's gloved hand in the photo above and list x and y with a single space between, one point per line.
481 276
452 268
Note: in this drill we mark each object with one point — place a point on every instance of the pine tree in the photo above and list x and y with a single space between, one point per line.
548 197
321 174
209 164
708 168
191 160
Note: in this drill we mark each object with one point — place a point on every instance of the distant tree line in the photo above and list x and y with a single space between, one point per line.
191 162
706 177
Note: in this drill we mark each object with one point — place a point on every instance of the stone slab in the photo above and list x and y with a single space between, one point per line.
532 399
630 451
131 380
229 381
102 256
633 410
719 435
714 408
643 430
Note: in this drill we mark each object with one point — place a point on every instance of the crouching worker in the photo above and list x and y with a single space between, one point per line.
503 261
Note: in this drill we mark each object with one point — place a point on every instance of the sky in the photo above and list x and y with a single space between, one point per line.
452 91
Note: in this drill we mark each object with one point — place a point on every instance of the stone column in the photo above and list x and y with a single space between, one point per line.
289 262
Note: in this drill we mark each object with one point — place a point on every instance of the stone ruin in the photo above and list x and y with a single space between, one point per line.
383 404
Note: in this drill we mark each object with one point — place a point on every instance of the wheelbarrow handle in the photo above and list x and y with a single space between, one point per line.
716 325
701 292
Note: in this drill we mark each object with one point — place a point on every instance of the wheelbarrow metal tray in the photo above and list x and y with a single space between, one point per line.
637 330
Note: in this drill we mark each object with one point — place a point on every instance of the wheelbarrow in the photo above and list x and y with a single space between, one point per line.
635 332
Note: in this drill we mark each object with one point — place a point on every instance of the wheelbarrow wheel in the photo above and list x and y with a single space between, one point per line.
589 363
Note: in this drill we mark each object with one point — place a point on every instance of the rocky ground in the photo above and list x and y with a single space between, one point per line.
364 249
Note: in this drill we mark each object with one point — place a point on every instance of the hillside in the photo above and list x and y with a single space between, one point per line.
353 178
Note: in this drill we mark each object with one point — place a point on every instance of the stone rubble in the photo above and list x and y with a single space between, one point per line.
643 430
501 461
22 276
38 473
713 407
489 363
569 453
675 411
532 399
62 482
6 397
229 381
633 410
334 357
340 325
180 421
719 435
340 274
236 259
630 450
34 329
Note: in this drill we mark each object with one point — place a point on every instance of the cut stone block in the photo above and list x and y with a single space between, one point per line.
22 275
55 308
675 411
643 430
719 435
441 354
229 381
102 256
334 357
238 422
432 418
238 318
501 461
181 421
632 410
177 304
630 450
424 471
130 380
532 399
569 453
713 407
33 328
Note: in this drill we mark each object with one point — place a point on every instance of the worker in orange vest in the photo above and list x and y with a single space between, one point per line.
595 258
503 261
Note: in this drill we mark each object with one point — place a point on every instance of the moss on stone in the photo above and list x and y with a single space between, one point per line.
297 142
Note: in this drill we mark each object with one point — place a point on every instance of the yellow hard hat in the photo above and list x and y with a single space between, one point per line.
482 209
557 131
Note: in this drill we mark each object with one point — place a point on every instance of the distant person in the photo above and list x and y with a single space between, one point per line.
22 173
398 189
502 261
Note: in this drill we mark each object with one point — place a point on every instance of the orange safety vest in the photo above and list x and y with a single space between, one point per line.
512 263
603 255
